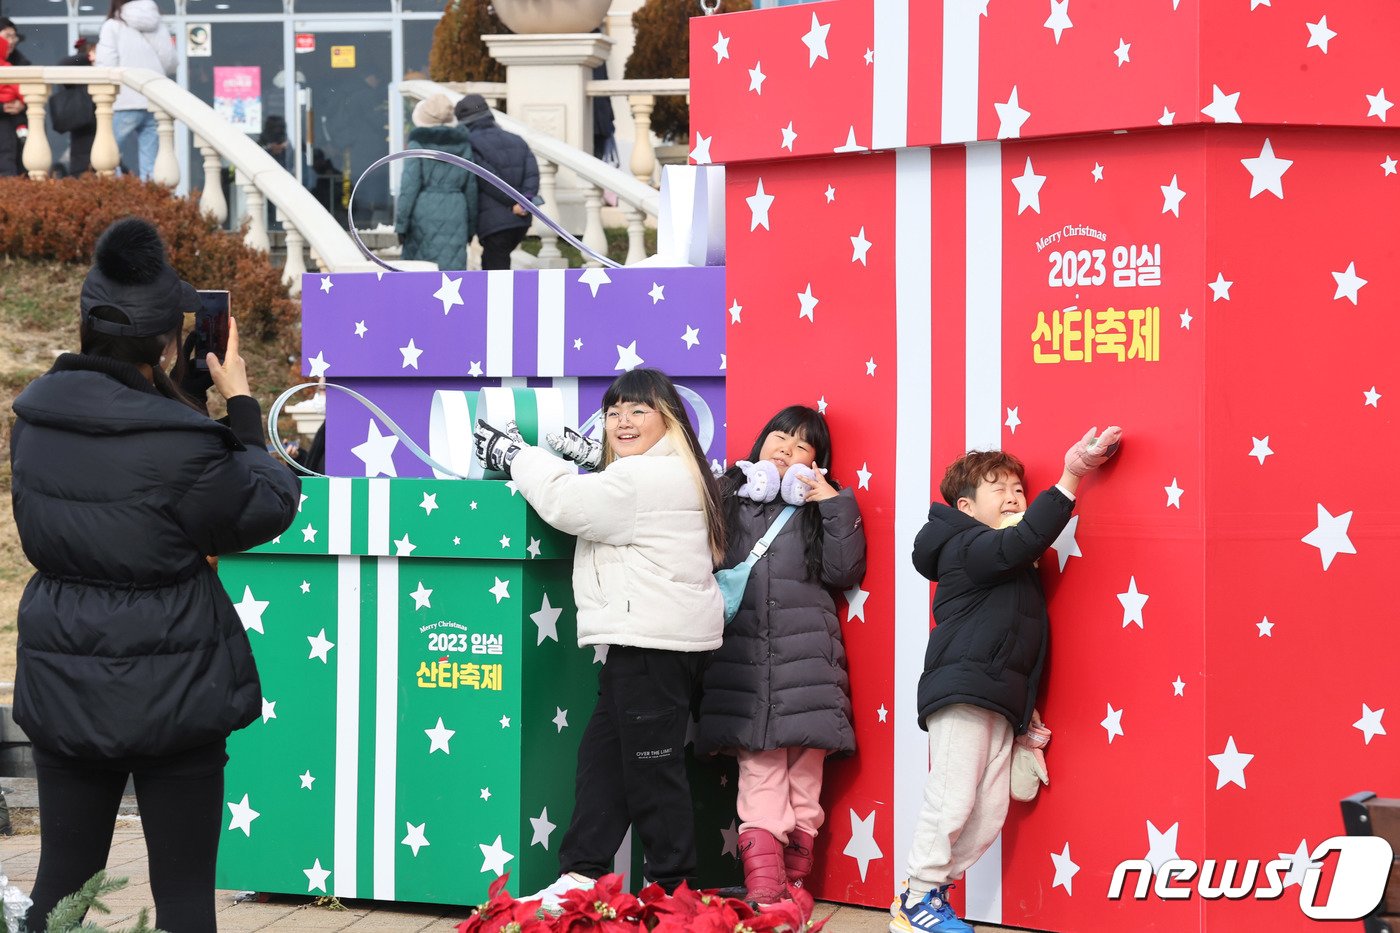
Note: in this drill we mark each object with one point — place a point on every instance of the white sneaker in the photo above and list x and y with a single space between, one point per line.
552 897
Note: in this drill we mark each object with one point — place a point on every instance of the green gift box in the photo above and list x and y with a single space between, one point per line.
423 695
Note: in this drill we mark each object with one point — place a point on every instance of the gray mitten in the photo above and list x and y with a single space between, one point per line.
762 480
795 491
495 449
576 448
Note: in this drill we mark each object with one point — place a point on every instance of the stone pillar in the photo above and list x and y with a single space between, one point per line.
546 88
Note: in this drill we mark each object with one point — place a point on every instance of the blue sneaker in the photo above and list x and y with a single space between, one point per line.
932 914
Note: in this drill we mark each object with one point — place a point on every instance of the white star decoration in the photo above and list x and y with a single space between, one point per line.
1121 53
404 547
505 542
1013 418
305 587
1186 319
855 603
1378 104
756 78
1171 197
320 647
1065 869
474 370
306 779
870 366
1266 628
242 816
1065 545
500 589
735 311
1097 172
416 838
486 793
600 654
1059 18
1222 106
597 277
1178 687
1388 167
657 293
1113 723
1028 185
1300 863
700 154
691 336
429 503
789 137
1132 602
308 534
1349 284
1319 35
730 835
721 48
882 713
859 247
1370 722
1261 448
449 293
316 877
560 720
627 358
850 145
1220 288
360 329
1011 115
815 40
809 304
1372 397
410 354
542 828
269 709
1266 171
319 364
1167 117
533 548
494 857
546 621
326 284
421 597
439 737
1230 764
759 202
505 722
863 475
862 846
250 611
1173 494
377 452
1330 535
1161 846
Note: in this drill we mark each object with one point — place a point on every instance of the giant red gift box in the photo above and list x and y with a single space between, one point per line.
1032 249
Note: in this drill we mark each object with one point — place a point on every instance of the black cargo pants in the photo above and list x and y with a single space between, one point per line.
631 767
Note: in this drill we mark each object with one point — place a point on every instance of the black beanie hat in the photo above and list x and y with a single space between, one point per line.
131 274
471 109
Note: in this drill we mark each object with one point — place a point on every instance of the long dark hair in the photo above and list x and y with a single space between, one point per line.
806 423
654 388
137 351
115 9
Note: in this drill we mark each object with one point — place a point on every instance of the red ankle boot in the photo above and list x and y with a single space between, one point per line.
762 855
797 856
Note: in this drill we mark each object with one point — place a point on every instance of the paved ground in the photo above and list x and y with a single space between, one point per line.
20 857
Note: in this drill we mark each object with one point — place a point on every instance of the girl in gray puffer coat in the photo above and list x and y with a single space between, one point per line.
777 694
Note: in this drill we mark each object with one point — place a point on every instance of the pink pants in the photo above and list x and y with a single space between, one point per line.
780 790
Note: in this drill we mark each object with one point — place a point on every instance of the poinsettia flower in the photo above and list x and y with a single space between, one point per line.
604 909
502 913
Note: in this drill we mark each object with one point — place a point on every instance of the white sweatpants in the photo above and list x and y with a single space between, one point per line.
966 795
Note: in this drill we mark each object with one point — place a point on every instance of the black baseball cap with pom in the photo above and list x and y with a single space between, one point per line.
130 273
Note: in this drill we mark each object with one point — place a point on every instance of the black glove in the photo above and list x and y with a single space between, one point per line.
495 449
576 448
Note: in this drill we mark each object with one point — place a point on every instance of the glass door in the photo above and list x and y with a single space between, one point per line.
343 71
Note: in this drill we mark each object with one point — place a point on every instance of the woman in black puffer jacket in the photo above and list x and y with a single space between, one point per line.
132 659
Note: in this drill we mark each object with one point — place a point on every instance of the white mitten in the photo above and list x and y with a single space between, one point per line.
762 480
795 491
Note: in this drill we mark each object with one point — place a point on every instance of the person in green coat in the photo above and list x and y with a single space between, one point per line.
437 201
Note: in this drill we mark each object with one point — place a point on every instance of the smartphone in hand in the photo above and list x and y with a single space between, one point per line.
211 327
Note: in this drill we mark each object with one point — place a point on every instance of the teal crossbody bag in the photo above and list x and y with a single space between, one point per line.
734 580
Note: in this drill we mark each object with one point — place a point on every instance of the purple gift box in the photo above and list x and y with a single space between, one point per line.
397 337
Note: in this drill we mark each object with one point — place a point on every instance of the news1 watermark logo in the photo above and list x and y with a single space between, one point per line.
1358 875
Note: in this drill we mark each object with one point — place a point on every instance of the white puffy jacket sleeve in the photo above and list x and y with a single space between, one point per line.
599 507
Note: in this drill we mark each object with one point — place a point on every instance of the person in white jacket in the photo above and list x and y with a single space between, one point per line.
650 533
133 36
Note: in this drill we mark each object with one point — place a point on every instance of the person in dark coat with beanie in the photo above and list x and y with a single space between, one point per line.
501 223
777 693
132 660
437 201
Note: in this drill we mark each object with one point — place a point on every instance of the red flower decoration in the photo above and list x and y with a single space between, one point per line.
606 909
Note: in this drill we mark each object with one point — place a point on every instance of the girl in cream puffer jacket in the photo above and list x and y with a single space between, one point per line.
649 534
